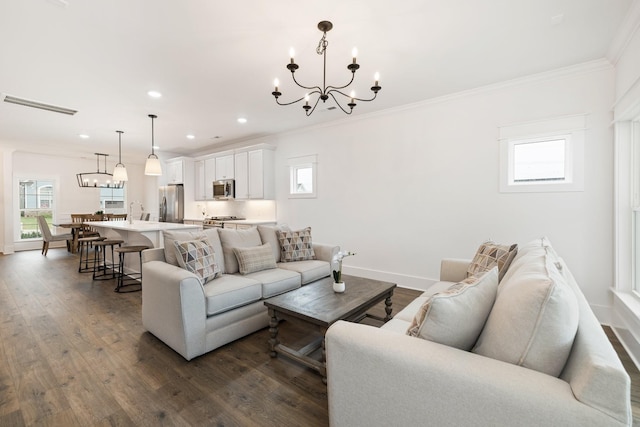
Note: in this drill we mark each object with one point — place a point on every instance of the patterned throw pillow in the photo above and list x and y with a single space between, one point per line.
296 245
254 259
455 317
491 254
197 256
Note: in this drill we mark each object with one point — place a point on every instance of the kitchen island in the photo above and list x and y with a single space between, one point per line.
139 232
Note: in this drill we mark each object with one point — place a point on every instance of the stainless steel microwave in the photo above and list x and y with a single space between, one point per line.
224 189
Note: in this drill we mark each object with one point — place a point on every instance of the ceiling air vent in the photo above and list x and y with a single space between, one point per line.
35 104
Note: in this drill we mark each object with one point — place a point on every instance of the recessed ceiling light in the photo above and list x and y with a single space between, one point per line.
154 94
242 120
84 136
190 136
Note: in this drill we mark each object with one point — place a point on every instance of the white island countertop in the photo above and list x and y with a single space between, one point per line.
140 232
141 226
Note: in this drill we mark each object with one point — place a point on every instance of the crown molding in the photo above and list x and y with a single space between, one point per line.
625 33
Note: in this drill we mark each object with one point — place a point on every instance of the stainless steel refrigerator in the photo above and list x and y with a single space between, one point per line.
171 203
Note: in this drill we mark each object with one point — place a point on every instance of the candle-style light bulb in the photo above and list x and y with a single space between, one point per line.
306 98
376 77
354 54
292 54
353 95
276 83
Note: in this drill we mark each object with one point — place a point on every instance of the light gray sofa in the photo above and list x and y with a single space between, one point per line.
194 319
382 376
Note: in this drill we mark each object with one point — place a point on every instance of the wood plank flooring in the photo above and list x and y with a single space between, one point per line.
74 353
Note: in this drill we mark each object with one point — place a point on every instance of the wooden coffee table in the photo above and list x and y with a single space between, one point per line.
317 304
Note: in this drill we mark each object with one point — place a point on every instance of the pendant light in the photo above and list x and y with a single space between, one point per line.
120 171
152 166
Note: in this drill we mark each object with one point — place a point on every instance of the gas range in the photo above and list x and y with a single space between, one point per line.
218 221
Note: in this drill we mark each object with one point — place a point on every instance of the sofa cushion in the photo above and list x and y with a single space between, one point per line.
214 240
296 245
198 257
229 291
170 236
310 271
491 254
268 234
276 281
237 239
535 317
456 316
256 258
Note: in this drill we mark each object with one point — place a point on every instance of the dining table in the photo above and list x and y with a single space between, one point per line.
75 228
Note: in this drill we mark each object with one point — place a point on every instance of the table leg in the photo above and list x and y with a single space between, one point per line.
273 331
387 308
323 371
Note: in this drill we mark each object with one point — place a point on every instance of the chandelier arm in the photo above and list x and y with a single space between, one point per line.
336 101
353 76
309 112
350 97
293 76
299 99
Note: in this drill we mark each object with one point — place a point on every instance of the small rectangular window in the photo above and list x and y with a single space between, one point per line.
539 161
543 156
302 177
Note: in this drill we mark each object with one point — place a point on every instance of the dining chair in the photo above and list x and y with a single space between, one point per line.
117 217
48 237
144 216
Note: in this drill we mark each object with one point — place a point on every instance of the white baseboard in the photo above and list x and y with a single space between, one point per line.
402 280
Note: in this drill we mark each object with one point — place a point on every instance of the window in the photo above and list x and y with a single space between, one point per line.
112 200
36 197
302 177
541 161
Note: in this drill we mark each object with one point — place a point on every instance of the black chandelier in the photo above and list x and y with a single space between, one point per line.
325 91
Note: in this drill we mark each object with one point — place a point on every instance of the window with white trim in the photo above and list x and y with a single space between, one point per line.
302 177
544 156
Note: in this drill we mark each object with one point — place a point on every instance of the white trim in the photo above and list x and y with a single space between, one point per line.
626 323
402 280
625 33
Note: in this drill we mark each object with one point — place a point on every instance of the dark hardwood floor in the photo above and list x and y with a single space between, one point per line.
74 353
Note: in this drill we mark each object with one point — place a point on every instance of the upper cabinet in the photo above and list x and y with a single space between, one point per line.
224 167
199 190
175 172
209 177
254 174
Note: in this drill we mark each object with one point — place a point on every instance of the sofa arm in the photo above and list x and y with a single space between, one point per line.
173 307
154 254
453 269
325 252
379 377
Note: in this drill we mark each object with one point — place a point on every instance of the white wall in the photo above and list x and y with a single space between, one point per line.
406 188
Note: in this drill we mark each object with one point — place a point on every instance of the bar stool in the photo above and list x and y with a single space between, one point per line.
84 243
130 279
100 262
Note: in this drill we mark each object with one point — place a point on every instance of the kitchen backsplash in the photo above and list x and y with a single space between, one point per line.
251 209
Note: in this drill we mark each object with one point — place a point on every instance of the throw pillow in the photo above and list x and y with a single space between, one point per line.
171 236
535 317
197 256
491 254
455 317
255 259
296 245
230 239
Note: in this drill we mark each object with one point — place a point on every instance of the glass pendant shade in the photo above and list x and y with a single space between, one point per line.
120 171
152 166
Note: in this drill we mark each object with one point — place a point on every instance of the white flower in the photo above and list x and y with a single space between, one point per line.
340 255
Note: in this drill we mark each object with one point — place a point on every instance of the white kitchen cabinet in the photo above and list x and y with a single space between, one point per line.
199 186
224 167
209 177
174 173
241 164
255 175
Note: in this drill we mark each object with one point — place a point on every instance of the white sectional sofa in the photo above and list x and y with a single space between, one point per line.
382 376
194 318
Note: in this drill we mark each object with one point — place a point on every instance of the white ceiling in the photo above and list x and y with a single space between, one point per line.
215 61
